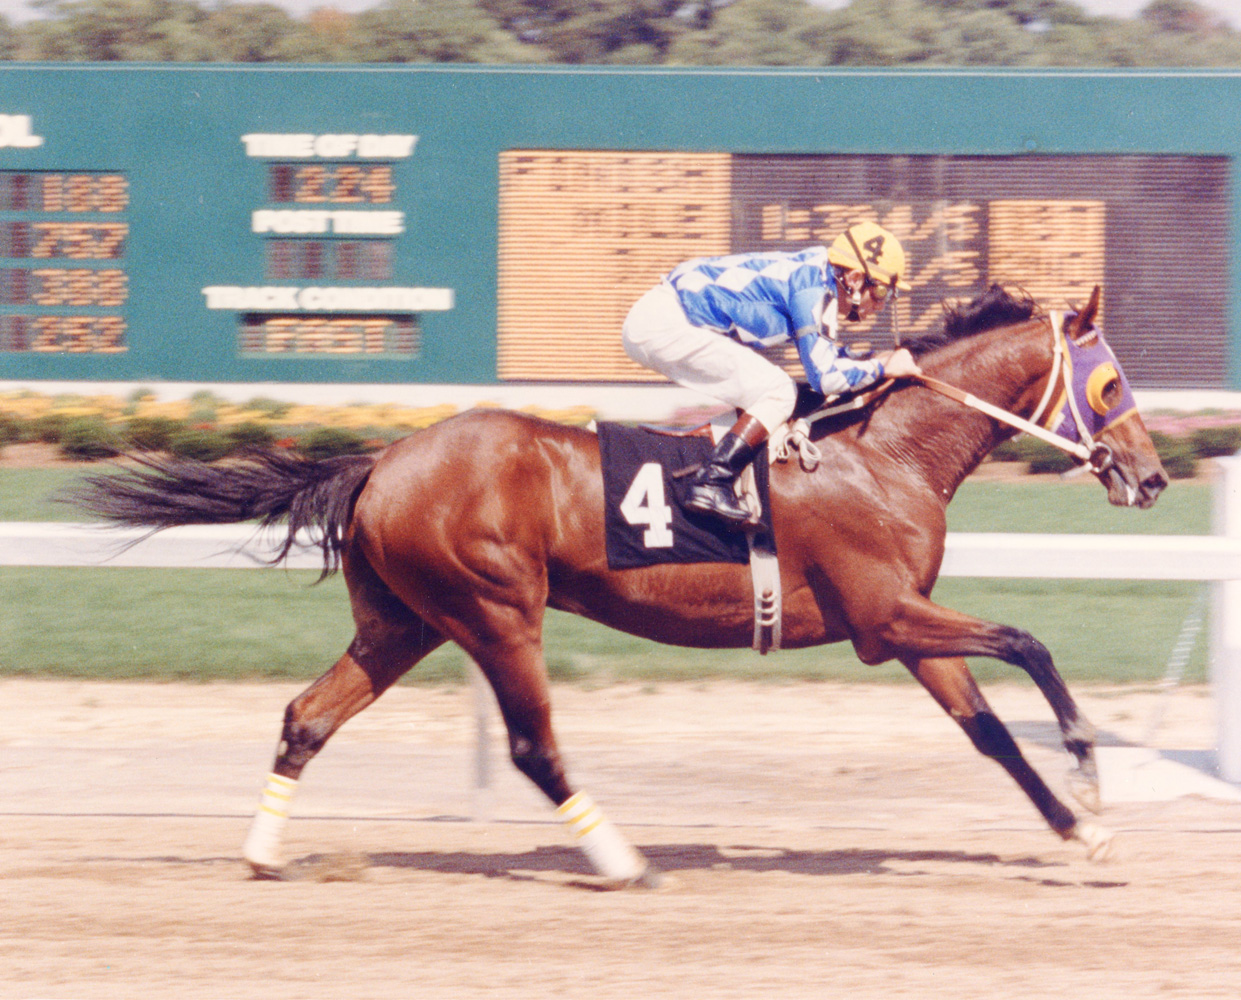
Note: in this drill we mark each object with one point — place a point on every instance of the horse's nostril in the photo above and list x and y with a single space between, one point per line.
1155 484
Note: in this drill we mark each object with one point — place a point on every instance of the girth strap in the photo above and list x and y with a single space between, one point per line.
764 569
768 599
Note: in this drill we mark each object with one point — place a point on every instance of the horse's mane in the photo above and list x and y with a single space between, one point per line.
995 307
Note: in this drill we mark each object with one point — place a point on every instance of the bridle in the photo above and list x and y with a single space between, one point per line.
1096 455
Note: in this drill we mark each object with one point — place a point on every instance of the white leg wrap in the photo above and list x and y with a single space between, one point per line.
1099 841
262 846
611 854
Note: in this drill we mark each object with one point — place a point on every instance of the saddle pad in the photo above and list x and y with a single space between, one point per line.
645 521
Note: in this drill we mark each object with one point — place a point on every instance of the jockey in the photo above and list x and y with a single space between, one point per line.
704 325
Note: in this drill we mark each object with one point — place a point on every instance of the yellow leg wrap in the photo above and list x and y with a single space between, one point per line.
262 846
605 846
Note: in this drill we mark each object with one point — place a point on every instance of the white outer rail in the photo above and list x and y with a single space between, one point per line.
239 546
201 546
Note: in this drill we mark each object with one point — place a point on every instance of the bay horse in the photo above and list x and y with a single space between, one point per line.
467 530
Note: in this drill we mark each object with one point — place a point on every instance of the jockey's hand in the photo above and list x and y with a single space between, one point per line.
899 364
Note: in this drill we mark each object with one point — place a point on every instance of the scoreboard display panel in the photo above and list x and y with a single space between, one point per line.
475 225
63 240
158 226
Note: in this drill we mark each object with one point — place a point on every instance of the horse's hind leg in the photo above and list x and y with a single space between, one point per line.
515 667
952 685
389 641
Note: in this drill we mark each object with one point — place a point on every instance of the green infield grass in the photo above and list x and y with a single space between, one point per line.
199 624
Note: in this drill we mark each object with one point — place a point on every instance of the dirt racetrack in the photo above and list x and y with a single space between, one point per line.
820 841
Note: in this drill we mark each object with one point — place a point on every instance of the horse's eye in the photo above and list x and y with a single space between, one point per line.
1111 393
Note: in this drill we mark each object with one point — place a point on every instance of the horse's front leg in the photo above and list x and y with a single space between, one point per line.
916 628
951 684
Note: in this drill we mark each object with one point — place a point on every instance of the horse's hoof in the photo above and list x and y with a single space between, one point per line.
650 878
1100 842
265 873
1085 789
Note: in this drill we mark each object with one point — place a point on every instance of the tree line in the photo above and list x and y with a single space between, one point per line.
929 33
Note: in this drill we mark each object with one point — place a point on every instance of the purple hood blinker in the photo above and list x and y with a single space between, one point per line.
1094 377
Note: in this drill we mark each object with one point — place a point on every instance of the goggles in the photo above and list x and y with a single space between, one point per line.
877 290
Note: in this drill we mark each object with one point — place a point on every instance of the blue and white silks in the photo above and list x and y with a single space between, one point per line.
769 298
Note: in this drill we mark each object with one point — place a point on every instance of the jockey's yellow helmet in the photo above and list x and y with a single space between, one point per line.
866 246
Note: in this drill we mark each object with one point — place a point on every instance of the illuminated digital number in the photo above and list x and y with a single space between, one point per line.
49 287
81 288
63 287
113 193
78 335
348 186
84 192
49 240
111 288
378 185
53 193
343 184
109 238
326 335
310 184
80 193
79 240
110 331
78 287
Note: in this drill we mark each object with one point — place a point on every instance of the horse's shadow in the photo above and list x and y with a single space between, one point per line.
673 858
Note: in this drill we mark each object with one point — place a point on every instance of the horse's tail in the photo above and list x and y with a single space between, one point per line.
315 496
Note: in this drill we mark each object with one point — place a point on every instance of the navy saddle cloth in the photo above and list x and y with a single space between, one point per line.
645 519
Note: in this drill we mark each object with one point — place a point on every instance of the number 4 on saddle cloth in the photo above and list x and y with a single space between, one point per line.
645 519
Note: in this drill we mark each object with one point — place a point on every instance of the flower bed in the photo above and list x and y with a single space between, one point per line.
208 428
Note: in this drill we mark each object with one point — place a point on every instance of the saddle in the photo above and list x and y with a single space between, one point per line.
643 467
811 408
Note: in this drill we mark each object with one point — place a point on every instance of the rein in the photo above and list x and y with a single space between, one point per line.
1094 454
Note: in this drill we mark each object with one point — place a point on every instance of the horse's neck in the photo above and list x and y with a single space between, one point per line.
1007 367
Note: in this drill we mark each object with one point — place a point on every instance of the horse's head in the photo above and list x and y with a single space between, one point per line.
1098 410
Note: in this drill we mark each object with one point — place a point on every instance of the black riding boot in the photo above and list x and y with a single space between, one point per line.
711 490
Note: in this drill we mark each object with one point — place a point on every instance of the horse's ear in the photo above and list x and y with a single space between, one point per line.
1082 325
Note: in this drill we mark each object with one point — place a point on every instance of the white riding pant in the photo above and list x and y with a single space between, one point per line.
658 335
